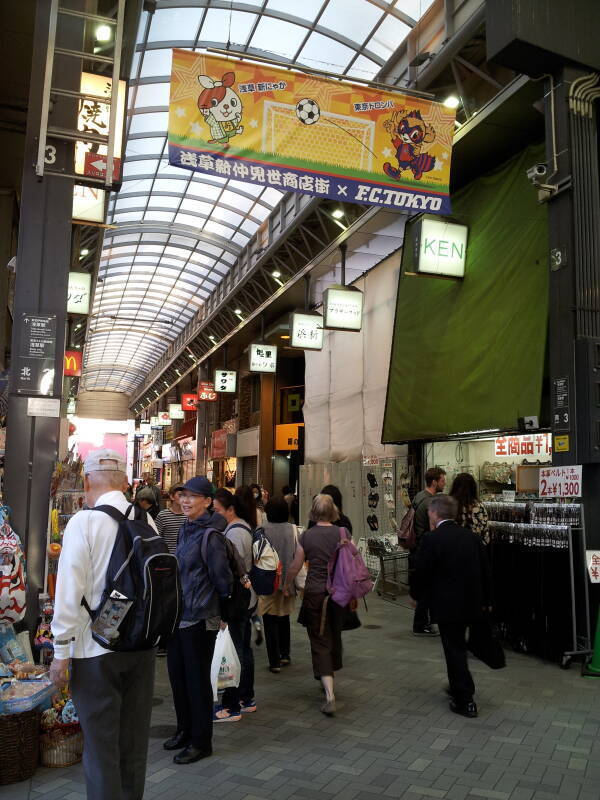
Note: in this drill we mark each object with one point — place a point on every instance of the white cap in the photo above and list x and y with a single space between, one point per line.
104 460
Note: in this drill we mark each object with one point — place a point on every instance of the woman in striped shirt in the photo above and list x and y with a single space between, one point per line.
171 519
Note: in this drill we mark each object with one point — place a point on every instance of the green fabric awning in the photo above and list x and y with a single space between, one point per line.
468 355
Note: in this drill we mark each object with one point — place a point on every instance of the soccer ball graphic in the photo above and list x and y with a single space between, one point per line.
308 112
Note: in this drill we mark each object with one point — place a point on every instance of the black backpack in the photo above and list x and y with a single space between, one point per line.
142 602
238 603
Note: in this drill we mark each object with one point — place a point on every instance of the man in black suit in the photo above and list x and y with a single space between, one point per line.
452 576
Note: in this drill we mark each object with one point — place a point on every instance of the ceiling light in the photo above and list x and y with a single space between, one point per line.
285 337
276 273
103 33
452 101
338 213
85 251
192 356
238 311
211 337
166 384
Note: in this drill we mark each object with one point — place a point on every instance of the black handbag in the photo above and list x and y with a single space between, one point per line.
351 621
484 643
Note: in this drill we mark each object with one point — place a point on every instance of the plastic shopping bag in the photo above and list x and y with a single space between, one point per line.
225 668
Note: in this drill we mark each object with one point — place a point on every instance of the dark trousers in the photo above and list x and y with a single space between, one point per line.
113 697
277 638
189 656
454 642
241 633
422 617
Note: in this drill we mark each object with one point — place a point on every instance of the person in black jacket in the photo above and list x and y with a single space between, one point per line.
452 576
206 581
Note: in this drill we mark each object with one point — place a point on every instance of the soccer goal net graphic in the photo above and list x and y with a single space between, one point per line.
335 138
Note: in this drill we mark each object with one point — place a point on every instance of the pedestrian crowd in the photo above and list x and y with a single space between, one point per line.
222 542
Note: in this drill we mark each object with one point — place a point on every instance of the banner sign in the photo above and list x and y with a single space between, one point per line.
560 481
72 363
301 133
206 391
537 444
189 402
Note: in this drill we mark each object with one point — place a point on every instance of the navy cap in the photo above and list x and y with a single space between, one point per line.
199 485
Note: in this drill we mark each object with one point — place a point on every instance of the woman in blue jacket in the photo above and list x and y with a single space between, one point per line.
206 581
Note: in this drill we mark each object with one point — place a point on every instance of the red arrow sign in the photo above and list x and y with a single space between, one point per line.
95 166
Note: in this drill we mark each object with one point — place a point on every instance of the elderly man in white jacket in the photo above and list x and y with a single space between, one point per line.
112 691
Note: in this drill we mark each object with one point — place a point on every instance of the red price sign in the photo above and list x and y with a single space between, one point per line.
560 482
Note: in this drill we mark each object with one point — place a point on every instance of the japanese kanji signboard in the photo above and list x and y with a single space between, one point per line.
593 565
308 134
225 381
342 308
306 331
263 358
206 391
35 362
560 482
189 402
538 445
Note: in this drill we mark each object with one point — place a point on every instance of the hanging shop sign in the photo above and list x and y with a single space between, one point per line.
146 428
538 445
206 391
35 364
225 381
306 330
72 363
560 481
441 247
593 565
89 203
176 411
94 118
153 422
313 135
189 402
218 444
286 436
164 418
78 295
342 307
263 358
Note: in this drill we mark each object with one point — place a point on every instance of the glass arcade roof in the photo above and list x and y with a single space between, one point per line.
178 233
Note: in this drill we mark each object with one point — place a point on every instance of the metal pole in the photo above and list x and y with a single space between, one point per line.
343 250
306 292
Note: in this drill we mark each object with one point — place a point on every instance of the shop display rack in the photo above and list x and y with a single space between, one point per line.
538 554
392 577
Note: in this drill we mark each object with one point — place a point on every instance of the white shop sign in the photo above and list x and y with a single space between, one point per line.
263 358
593 565
442 248
342 307
145 428
560 481
43 407
175 411
164 418
225 381
78 297
306 331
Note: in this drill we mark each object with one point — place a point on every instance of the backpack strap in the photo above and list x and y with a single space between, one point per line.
113 512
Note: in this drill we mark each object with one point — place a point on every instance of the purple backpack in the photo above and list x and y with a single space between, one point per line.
347 575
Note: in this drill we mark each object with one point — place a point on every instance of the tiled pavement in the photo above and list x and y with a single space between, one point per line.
536 737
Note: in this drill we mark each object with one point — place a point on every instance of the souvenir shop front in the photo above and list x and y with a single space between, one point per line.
468 391
178 461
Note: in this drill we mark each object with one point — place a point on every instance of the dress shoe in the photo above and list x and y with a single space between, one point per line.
426 630
464 709
328 708
176 742
191 754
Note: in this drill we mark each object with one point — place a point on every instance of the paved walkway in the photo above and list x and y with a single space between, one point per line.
536 737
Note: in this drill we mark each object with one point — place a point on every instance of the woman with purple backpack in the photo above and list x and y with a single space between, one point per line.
322 617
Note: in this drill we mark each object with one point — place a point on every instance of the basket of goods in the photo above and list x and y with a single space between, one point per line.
19 753
61 739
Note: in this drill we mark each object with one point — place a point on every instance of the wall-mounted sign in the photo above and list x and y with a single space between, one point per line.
218 444
78 297
34 366
176 411
342 307
189 402
560 481
286 436
94 118
43 407
225 381
88 203
145 428
263 358
306 330
72 363
538 445
206 391
154 422
441 247
593 565
164 418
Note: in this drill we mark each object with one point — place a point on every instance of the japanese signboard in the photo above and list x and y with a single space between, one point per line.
145 428
43 407
309 134
189 402
560 404
263 358
164 418
78 297
342 308
225 381
538 445
306 331
593 565
175 411
286 436
218 444
154 422
206 391
560 482
94 118
88 203
441 247
35 364
72 363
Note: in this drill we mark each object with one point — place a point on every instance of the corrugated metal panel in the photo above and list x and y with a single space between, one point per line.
103 405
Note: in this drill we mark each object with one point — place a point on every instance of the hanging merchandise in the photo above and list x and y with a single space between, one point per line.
67 498
379 493
12 572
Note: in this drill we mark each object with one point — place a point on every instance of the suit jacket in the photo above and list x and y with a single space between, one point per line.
452 574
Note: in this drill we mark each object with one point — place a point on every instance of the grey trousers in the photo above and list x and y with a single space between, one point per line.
113 697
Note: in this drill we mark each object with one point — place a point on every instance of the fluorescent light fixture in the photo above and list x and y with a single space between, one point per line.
103 33
452 101
276 273
166 384
283 336
238 311
338 213
211 337
85 252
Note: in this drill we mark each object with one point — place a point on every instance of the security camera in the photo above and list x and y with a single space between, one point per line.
537 172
